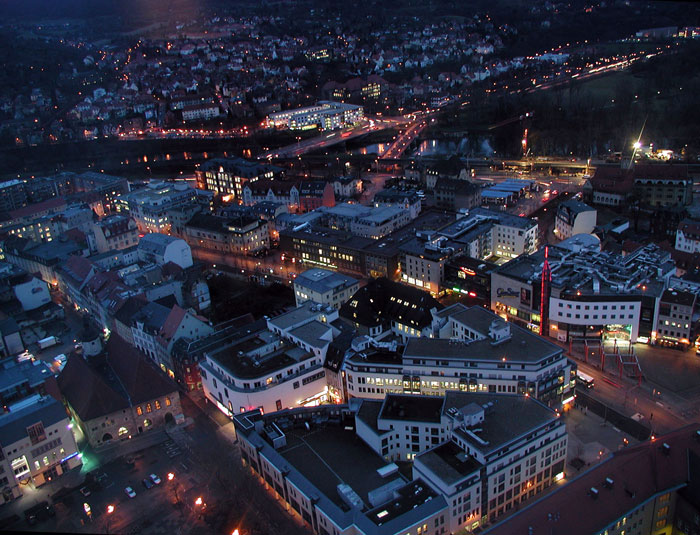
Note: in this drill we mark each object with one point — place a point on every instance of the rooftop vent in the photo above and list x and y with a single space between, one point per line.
593 493
666 448
608 483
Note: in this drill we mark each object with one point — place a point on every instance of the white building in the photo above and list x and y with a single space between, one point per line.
484 453
324 287
469 349
688 236
574 217
114 233
326 115
277 364
149 206
33 293
408 200
37 444
593 294
479 233
312 460
161 249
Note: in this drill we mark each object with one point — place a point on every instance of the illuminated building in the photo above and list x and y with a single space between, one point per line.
593 294
466 349
475 456
276 363
326 115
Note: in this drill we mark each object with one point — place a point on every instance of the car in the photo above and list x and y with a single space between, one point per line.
130 492
85 491
148 483
155 479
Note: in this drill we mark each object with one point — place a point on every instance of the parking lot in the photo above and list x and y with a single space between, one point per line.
101 504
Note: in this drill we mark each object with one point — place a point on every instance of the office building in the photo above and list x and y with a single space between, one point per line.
227 176
466 349
149 207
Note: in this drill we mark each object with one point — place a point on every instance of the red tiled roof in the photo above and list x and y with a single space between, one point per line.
612 180
78 266
172 322
638 474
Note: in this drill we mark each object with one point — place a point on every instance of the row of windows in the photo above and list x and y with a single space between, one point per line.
149 407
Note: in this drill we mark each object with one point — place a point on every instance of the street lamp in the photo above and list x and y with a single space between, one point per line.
171 476
110 509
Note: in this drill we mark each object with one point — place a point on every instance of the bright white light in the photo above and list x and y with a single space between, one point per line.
637 145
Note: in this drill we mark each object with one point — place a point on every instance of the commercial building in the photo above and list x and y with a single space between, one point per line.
574 217
36 445
277 363
479 233
646 489
459 479
467 349
227 176
325 115
655 185
324 287
592 294
365 221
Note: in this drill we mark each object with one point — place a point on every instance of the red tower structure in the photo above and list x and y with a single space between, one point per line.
544 294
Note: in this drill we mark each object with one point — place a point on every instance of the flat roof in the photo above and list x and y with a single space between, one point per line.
330 456
506 417
323 280
522 346
412 408
449 462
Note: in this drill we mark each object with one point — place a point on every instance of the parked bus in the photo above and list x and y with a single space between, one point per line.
584 379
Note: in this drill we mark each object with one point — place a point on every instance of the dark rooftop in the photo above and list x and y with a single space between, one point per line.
449 462
412 408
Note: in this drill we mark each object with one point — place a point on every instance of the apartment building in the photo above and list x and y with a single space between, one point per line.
484 453
645 489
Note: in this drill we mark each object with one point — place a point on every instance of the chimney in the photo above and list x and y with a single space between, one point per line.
593 493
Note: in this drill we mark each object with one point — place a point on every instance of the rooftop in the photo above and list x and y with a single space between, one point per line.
449 462
506 417
636 474
13 424
323 280
412 408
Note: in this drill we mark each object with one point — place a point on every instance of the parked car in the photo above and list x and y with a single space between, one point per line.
85 491
148 483
130 492
155 479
